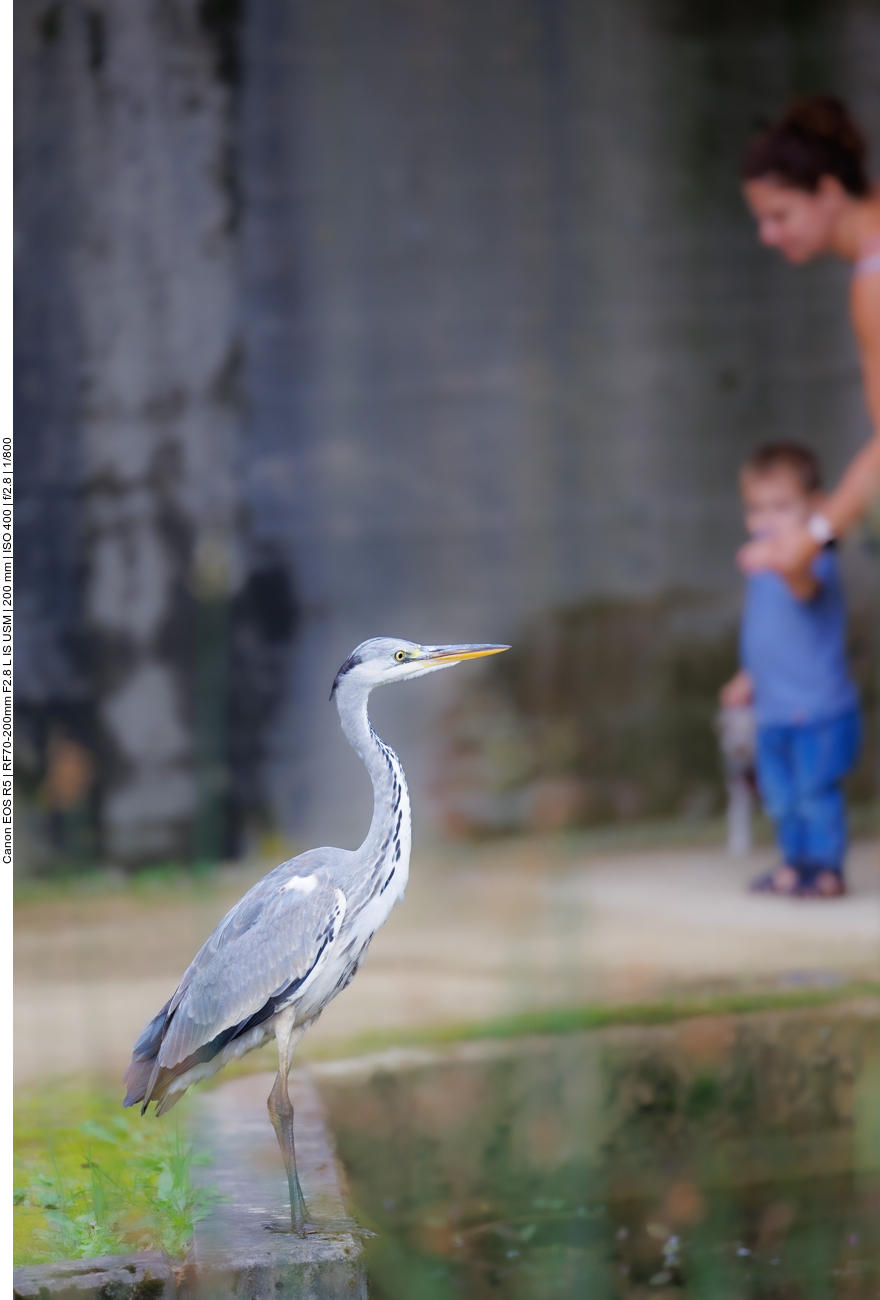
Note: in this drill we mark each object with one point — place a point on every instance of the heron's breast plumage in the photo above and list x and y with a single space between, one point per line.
369 900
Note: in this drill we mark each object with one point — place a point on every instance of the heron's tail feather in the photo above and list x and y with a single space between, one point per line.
139 1075
170 1099
136 1078
148 1079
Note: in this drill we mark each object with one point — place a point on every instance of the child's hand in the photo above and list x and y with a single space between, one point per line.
738 692
790 554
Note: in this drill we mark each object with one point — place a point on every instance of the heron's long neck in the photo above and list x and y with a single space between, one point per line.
391 807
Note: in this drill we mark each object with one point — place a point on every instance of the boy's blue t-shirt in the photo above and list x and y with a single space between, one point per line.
795 650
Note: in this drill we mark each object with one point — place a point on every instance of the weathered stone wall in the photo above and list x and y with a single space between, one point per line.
722 1100
127 344
558 1160
512 332
346 319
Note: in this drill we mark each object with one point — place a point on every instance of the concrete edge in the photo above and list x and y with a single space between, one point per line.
145 1275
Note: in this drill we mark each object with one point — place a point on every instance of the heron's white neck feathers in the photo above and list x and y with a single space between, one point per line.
390 832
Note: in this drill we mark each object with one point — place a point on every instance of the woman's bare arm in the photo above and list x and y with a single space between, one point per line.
861 481
791 554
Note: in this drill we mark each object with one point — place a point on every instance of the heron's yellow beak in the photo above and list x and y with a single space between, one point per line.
453 654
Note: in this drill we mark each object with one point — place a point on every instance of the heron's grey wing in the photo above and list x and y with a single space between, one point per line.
270 944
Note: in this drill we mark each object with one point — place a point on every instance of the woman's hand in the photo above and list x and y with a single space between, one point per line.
738 692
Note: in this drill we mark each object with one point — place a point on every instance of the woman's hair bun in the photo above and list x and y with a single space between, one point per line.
825 118
815 137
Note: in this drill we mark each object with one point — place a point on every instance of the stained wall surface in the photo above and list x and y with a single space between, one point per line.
348 319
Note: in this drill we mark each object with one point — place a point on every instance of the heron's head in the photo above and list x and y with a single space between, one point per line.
386 659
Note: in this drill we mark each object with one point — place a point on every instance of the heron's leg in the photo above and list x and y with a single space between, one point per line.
281 1115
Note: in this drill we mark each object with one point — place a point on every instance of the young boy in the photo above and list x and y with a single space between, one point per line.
794 672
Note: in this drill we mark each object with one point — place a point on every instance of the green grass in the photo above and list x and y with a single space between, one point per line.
90 1180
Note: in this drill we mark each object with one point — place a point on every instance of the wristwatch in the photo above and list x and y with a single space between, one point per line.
820 529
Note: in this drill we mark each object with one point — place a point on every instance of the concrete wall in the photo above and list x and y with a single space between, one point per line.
585 1138
723 1100
432 319
127 348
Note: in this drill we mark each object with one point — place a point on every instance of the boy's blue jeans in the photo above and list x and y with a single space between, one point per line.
800 773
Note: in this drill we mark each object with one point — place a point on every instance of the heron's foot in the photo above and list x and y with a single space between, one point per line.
290 1229
319 1227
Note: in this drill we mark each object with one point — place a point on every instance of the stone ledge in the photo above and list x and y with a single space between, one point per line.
235 1257
143 1276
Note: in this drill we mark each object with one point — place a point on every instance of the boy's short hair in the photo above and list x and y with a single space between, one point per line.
786 455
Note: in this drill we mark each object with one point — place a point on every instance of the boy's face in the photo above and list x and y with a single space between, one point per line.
775 502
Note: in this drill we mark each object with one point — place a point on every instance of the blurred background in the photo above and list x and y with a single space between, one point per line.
442 319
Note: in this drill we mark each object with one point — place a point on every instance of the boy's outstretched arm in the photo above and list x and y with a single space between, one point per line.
798 576
802 582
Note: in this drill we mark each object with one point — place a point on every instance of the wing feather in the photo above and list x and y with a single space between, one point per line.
274 941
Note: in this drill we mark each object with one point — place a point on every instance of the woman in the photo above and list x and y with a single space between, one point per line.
806 183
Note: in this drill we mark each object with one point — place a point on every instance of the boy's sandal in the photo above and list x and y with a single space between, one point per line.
835 886
767 884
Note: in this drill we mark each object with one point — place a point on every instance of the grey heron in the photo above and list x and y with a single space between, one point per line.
297 938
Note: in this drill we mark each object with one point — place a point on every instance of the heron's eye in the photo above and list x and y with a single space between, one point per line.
400 656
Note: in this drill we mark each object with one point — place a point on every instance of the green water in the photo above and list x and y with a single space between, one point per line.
727 1157
802 1238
